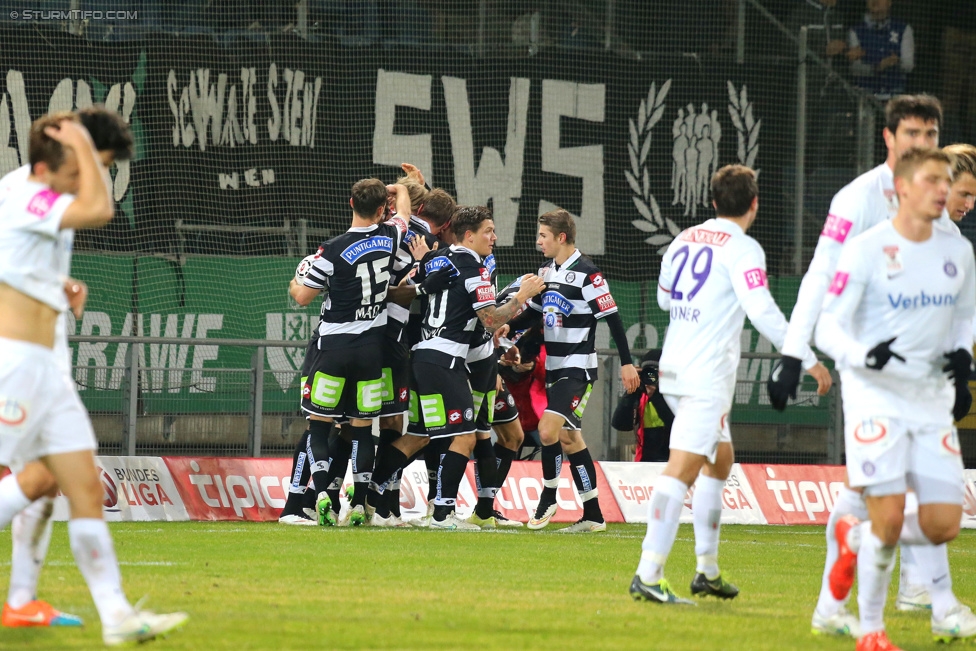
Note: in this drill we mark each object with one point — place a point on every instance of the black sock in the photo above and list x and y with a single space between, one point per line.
584 476
387 464
300 473
363 456
449 475
485 477
432 459
340 451
318 444
552 462
505 458
392 494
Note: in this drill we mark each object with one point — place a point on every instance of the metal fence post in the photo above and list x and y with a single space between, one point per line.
740 33
835 433
801 153
865 135
257 403
132 395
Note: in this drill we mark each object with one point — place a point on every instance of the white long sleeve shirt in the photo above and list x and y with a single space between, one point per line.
712 277
864 202
921 293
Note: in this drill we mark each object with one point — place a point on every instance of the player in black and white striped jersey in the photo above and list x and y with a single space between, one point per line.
576 297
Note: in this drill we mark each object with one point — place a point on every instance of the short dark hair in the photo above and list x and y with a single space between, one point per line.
560 221
43 148
924 107
915 157
733 189
469 218
109 131
368 195
438 207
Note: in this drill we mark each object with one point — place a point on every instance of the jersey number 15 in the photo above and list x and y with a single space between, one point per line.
375 279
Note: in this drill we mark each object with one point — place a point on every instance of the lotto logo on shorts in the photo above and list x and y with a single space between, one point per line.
403 394
605 302
840 282
42 202
836 228
454 416
756 278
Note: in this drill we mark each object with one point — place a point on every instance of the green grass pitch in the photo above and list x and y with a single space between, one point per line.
268 586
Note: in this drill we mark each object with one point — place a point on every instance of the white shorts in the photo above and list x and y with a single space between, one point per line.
700 424
40 411
887 456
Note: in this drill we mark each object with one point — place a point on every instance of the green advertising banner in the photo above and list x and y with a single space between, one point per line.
222 297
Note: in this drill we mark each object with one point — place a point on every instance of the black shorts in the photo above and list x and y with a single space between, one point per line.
567 397
483 376
440 401
505 409
396 377
344 382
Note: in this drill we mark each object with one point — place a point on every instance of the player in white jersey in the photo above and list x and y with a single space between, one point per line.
41 415
32 527
712 277
897 318
911 121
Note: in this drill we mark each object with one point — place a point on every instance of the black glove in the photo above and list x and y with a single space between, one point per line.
964 401
437 281
880 355
960 365
783 381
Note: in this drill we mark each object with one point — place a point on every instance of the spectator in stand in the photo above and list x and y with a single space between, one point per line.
646 413
958 81
881 51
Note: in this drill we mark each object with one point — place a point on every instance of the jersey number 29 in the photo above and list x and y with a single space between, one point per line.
699 271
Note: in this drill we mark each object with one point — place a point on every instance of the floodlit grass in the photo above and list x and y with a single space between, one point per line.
267 586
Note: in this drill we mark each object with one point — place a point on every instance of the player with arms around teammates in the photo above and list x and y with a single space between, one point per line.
345 378
898 322
712 277
45 419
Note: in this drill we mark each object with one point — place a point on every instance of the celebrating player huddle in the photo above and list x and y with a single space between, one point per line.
371 341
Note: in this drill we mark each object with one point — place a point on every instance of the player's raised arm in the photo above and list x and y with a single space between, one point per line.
93 206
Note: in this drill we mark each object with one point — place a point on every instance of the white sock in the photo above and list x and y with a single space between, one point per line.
95 556
911 531
706 508
848 502
874 564
12 500
932 563
909 574
31 536
663 512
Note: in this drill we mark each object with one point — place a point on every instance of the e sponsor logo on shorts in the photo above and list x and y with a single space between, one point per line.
870 431
12 412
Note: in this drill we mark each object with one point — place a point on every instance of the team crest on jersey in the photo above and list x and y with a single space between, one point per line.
355 251
950 269
892 260
891 198
570 277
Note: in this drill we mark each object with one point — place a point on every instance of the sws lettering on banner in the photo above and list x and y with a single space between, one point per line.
239 492
515 493
805 497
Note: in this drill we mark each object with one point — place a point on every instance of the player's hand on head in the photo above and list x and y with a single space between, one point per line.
630 377
69 133
413 172
881 354
783 381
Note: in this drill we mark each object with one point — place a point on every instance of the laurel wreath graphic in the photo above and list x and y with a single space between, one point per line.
740 110
638 176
